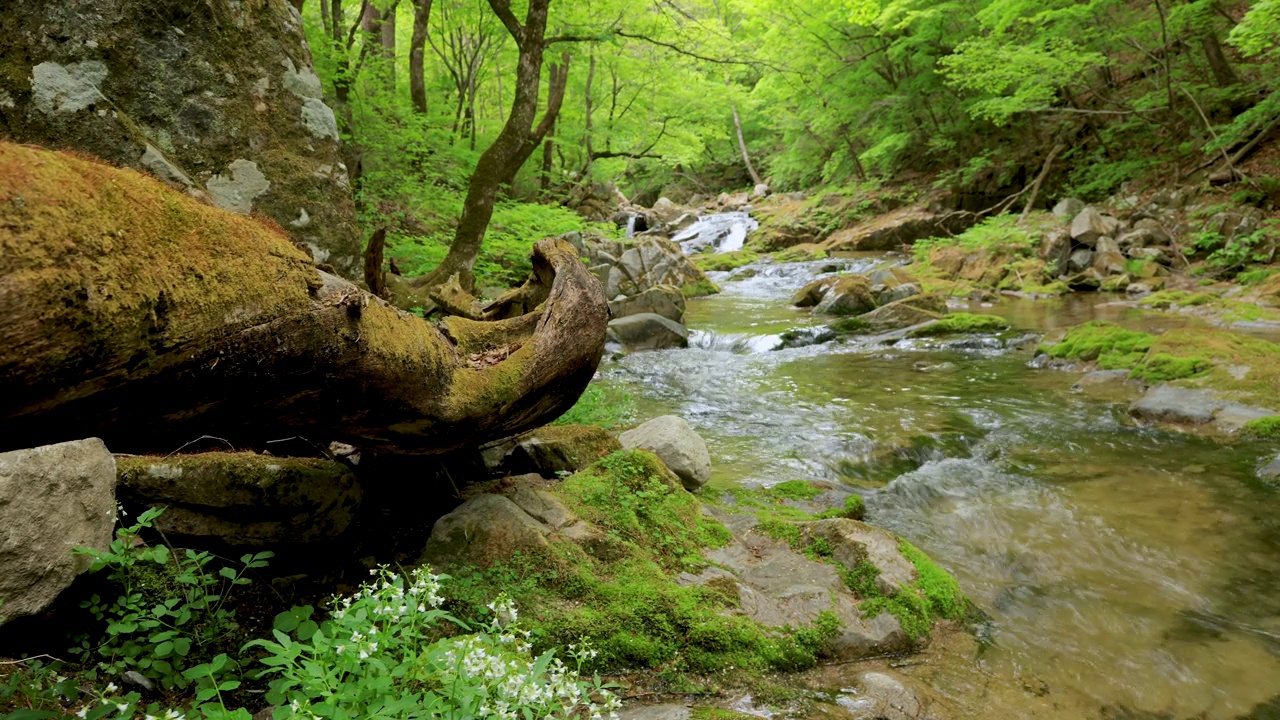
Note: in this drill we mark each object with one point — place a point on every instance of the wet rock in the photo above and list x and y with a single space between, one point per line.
560 448
664 300
884 697
220 99
53 499
849 295
1099 377
813 293
243 498
649 263
677 444
777 587
906 312
805 336
853 542
1089 225
1271 471
1194 406
886 294
647 331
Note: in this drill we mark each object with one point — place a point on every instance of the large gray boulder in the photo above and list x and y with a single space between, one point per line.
216 98
1089 225
647 331
664 300
677 444
243 498
53 499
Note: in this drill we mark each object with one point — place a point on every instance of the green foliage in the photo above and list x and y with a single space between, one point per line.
1003 232
171 610
699 288
606 406
384 652
1263 428
795 490
934 595
1258 247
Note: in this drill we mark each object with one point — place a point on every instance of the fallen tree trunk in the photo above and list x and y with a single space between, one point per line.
133 313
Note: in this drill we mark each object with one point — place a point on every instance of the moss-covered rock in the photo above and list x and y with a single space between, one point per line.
559 449
243 498
1266 428
957 323
217 98
848 295
1111 346
725 261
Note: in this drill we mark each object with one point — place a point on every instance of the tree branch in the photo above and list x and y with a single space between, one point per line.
502 8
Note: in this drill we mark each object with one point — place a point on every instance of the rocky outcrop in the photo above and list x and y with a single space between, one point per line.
630 269
896 230
849 295
53 499
664 300
673 440
243 498
219 99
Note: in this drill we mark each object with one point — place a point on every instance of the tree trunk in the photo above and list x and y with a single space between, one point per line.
1223 73
591 76
417 47
548 148
500 162
742 141
138 315
373 275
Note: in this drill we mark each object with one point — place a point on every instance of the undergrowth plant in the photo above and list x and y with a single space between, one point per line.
384 653
171 608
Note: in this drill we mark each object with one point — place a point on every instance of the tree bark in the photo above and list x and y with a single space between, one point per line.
518 139
548 148
373 275
591 76
138 315
1223 73
417 56
742 141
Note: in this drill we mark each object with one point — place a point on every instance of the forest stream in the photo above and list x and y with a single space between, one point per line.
1125 569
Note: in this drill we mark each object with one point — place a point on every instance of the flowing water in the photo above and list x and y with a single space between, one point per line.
1133 570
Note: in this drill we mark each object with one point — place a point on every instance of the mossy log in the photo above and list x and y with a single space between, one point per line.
136 314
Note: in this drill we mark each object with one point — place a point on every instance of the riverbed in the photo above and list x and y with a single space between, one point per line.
1126 571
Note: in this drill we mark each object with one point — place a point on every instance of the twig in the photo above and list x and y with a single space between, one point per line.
202 437
1209 126
33 657
1035 187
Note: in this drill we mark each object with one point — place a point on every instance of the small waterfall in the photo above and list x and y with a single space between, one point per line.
725 232
631 225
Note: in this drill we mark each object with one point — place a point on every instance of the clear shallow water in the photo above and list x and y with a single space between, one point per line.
1134 569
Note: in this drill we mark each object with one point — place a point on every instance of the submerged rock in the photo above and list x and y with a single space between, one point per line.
1194 406
243 498
678 445
53 499
1271 471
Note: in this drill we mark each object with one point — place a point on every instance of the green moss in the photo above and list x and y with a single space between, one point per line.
963 323
699 288
622 596
1111 345
725 261
800 254
1162 367
605 406
851 326
1177 298
933 596
795 490
1263 428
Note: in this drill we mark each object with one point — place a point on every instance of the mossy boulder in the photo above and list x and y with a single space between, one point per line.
903 313
958 323
559 449
813 292
243 498
218 99
848 295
